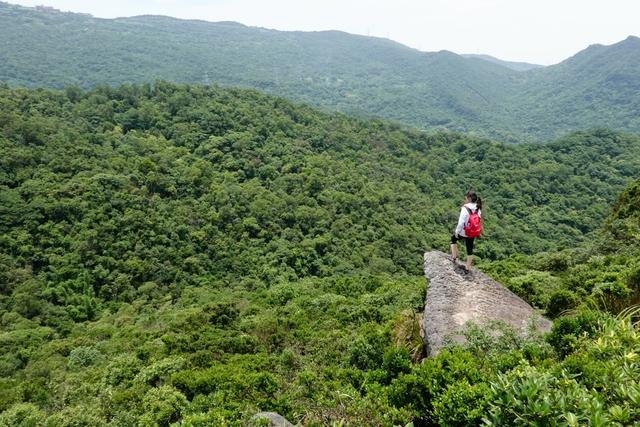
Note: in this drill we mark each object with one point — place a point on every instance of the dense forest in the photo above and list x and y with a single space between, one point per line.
191 255
340 72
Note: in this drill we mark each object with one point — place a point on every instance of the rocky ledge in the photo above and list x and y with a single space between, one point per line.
455 298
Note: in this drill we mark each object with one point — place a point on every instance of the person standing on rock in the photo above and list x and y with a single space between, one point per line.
468 228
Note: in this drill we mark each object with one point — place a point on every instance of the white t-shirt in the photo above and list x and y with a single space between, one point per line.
464 216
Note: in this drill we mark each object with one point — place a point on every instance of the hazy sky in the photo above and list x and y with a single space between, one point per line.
539 31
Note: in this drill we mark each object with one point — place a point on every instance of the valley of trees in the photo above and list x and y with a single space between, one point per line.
188 255
359 75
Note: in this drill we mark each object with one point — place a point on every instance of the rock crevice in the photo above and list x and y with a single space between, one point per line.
453 299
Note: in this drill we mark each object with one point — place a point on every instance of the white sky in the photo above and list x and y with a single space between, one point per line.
538 31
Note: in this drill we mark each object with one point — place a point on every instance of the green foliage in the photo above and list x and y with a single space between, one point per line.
597 384
534 286
296 367
567 330
204 420
560 301
602 273
462 404
81 357
436 382
366 353
239 186
21 415
162 406
610 292
159 372
76 416
396 360
542 398
230 253
122 370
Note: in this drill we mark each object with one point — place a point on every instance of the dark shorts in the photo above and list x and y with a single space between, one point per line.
468 241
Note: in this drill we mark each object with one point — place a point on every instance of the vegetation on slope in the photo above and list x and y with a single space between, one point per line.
603 272
598 85
343 72
191 255
170 184
597 379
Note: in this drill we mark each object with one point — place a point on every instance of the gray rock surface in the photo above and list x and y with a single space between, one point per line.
276 420
453 299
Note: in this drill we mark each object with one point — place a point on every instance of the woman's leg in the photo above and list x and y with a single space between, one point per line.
454 247
469 242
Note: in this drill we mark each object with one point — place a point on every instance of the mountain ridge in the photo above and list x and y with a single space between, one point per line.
334 70
514 65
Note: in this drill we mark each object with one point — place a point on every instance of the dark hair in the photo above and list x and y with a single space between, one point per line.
474 198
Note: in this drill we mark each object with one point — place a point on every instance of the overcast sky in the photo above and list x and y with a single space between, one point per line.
538 31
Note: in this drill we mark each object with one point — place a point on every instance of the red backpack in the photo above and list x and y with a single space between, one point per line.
473 227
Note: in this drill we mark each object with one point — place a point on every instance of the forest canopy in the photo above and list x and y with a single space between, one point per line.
191 254
106 190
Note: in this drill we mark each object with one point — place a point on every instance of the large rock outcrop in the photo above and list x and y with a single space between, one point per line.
453 299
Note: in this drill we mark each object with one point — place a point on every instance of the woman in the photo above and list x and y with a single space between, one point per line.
472 205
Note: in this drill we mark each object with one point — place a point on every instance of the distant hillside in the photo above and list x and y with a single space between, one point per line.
338 71
517 66
598 86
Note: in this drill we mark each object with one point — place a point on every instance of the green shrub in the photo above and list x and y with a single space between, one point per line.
610 292
309 383
21 415
633 278
595 385
221 314
81 357
418 390
567 330
552 261
560 301
76 416
212 418
462 404
532 397
159 372
406 331
289 360
162 406
10 393
36 390
282 293
240 344
534 287
367 350
122 370
396 361
123 419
